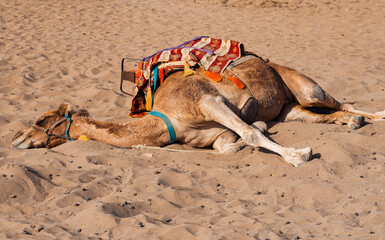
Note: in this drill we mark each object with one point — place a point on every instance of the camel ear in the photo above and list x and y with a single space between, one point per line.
64 108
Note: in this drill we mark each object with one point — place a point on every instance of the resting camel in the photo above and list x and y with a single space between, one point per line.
205 113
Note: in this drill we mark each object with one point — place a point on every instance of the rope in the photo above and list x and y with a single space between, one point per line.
171 150
68 127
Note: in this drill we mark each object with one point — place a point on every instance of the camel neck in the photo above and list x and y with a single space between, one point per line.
138 132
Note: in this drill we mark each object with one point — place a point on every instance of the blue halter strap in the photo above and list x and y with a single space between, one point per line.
68 127
167 121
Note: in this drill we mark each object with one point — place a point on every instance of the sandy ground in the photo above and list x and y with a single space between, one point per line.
70 51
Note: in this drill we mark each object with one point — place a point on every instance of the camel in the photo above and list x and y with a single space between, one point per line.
205 113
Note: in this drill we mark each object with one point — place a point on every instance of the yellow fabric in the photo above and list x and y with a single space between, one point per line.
187 70
84 138
149 99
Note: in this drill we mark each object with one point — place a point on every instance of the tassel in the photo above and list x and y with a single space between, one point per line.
187 70
83 138
237 82
149 99
213 76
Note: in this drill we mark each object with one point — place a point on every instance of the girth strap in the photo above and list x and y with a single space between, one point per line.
167 121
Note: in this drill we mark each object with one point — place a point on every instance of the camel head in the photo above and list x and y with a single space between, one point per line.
48 131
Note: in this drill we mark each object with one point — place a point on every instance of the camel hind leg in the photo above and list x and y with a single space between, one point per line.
309 94
305 90
295 112
377 116
215 109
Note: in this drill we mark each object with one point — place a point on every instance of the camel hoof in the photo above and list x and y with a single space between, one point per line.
358 122
298 157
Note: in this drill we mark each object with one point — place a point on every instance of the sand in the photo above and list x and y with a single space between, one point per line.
70 51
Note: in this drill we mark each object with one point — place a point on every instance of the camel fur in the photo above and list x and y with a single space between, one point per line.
206 114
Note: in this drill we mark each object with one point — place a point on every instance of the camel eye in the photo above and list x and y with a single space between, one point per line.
41 121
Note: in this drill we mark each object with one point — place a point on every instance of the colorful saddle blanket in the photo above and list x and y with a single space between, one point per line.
214 55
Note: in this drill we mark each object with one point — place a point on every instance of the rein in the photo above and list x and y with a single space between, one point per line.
50 129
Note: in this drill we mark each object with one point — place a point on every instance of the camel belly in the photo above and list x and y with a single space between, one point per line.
201 136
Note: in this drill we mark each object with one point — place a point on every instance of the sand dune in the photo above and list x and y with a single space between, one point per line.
70 51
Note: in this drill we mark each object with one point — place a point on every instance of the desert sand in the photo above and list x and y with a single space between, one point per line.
54 52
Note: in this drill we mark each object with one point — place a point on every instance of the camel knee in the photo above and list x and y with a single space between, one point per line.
312 95
251 136
317 93
315 96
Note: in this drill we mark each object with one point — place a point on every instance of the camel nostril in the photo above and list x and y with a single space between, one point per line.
17 135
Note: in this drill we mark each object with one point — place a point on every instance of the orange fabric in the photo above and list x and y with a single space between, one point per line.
213 76
161 75
137 75
237 82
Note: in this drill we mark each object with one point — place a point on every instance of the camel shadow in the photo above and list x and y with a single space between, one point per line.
313 156
268 134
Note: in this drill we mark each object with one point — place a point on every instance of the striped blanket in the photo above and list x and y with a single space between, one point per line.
212 54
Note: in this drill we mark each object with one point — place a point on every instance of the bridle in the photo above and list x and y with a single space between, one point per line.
50 129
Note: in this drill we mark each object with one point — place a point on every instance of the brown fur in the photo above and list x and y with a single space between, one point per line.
205 113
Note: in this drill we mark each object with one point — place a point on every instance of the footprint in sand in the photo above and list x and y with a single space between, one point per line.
64 71
95 71
124 210
22 184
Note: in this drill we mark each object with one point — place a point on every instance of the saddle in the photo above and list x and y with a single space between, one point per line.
214 55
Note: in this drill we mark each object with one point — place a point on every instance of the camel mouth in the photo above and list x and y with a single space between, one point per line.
22 140
21 143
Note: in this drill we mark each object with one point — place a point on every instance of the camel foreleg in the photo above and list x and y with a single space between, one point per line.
215 109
